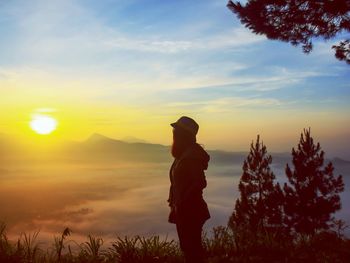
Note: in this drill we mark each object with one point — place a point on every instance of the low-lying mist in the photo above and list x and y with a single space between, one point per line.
108 188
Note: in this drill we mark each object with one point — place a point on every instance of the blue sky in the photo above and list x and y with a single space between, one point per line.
161 59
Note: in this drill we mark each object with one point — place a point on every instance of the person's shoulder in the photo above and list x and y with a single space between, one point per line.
196 155
196 151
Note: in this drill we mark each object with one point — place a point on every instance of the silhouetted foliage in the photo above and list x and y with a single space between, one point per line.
298 21
342 50
312 191
260 204
219 247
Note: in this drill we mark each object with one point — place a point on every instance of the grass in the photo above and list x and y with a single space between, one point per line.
59 243
222 245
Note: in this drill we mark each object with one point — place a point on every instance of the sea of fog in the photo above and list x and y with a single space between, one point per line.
109 200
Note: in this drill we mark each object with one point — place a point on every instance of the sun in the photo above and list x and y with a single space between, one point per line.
43 124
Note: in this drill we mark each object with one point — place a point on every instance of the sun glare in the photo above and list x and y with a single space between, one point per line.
43 124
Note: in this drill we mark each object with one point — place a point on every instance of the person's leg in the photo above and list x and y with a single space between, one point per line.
190 237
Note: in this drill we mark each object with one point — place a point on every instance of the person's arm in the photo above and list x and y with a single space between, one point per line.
171 190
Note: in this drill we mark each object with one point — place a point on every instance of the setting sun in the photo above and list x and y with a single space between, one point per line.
43 124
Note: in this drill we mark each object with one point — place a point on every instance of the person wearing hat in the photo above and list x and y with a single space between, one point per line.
188 210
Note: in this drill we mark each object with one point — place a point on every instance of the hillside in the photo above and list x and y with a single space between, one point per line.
99 148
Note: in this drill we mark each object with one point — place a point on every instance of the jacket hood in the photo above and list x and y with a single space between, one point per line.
197 152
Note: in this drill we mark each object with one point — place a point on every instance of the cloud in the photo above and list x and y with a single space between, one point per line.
69 29
125 200
227 104
109 199
68 45
65 45
235 38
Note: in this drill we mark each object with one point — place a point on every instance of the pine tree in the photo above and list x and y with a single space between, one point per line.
260 202
298 21
312 191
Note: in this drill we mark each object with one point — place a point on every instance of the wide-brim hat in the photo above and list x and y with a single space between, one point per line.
187 124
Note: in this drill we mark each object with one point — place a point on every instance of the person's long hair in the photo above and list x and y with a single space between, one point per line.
182 139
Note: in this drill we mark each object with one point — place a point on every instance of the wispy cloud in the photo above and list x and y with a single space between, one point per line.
235 38
227 104
65 43
69 29
274 78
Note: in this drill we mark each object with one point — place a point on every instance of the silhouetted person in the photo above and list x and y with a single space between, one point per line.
189 211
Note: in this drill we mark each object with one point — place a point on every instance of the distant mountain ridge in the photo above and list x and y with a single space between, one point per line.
99 148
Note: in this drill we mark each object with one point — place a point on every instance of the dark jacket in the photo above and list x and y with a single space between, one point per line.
187 183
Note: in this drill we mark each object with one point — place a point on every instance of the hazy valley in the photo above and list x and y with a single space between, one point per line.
105 187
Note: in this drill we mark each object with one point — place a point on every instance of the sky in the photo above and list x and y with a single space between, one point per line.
129 68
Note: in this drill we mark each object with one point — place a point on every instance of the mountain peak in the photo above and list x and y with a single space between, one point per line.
96 137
